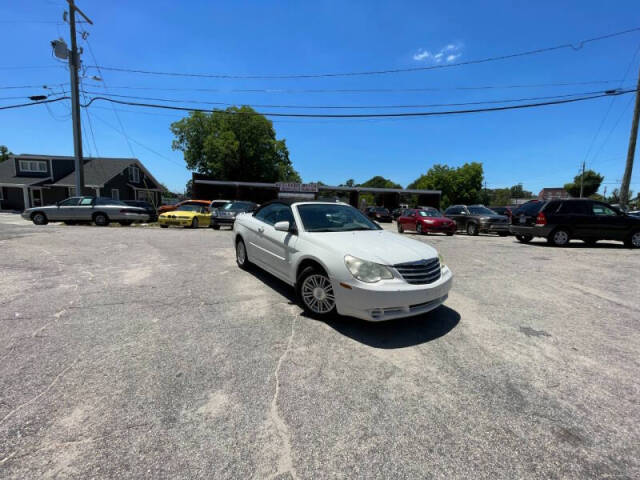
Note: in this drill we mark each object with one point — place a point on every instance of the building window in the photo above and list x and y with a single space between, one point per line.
134 174
115 194
37 166
146 195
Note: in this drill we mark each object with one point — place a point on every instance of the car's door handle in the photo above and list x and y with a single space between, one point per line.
260 229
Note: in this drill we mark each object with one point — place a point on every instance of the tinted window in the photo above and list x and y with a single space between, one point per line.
429 213
275 212
574 208
601 209
531 208
453 211
69 202
481 211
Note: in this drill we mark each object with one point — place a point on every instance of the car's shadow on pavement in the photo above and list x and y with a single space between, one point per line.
404 332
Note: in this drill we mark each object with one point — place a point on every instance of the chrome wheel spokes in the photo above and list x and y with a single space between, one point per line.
317 293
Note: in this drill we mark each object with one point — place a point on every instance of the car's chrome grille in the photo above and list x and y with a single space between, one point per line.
421 272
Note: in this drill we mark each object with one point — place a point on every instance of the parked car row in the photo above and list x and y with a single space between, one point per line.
102 211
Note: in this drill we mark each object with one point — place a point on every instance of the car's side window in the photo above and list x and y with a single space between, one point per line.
600 209
70 202
86 201
574 208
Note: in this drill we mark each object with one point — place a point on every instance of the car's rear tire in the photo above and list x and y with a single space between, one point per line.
39 218
400 228
316 293
524 238
101 219
634 240
472 229
560 237
194 223
164 226
242 259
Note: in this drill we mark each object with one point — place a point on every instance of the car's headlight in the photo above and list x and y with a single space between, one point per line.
428 221
368 272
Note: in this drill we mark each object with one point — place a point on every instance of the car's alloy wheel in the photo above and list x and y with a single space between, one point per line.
472 229
101 220
241 254
635 240
317 294
560 238
39 218
400 228
194 223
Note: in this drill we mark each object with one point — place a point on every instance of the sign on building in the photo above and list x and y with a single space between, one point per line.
293 187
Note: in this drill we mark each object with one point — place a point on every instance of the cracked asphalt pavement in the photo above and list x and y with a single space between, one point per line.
146 353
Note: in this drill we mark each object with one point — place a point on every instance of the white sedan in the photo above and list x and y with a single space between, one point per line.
340 261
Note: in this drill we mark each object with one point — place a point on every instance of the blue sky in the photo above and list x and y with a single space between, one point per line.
537 147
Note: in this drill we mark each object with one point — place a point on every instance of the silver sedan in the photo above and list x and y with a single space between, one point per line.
99 210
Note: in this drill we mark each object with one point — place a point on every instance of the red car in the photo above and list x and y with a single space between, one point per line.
425 220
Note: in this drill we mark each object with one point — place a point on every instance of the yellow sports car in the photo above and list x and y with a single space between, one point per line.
192 216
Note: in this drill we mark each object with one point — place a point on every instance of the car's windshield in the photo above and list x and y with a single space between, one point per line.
429 213
189 208
238 206
481 211
333 218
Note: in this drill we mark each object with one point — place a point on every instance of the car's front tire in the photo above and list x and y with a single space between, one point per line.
242 259
39 218
315 292
559 237
101 219
472 229
194 223
419 229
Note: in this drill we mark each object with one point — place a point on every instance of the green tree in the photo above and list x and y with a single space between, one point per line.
517 191
233 144
379 182
4 153
350 183
501 196
458 185
591 183
188 189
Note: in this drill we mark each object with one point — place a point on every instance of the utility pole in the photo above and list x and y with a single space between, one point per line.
626 179
74 65
582 180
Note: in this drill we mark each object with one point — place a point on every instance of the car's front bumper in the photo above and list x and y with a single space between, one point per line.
440 228
379 303
223 220
175 222
494 227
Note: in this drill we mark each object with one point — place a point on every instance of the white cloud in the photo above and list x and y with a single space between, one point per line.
448 53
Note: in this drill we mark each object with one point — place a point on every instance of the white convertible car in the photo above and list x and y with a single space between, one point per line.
339 260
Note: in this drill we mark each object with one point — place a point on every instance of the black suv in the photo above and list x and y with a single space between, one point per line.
478 218
560 221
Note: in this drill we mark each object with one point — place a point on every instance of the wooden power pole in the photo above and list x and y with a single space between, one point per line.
626 179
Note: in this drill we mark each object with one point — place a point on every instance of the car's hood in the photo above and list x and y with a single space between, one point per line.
374 245
436 219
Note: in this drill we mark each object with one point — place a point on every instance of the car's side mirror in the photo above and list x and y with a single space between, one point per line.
283 226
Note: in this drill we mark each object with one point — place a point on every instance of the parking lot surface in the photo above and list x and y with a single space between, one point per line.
146 353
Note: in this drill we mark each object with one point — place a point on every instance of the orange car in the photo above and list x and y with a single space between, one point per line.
205 203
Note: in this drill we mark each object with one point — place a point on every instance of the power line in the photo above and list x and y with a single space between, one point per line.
10 87
573 46
353 107
52 100
358 90
366 115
